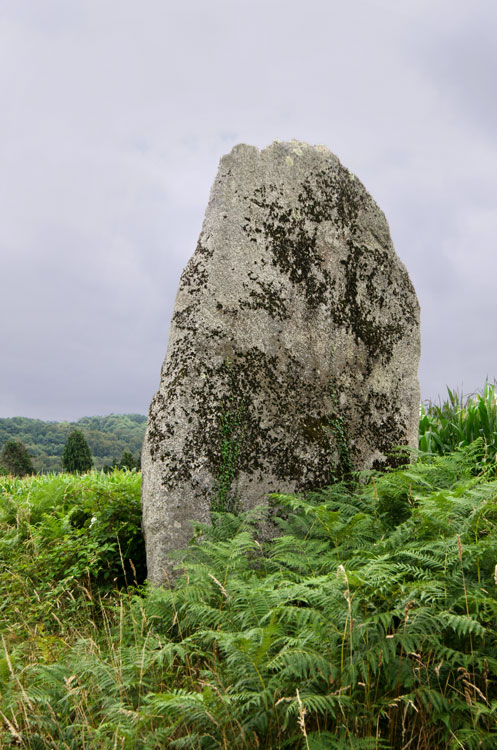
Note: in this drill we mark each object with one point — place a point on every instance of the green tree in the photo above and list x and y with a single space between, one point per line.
15 459
127 461
76 455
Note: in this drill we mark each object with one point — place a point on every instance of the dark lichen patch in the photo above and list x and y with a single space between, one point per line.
247 420
202 250
290 233
275 439
267 297
369 268
290 241
195 275
175 378
156 435
231 437
314 430
331 195
385 427
374 306
321 434
186 319
295 254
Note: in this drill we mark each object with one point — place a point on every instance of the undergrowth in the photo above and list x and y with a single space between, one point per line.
369 622
64 540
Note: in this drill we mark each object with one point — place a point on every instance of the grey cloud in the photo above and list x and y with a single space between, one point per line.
117 114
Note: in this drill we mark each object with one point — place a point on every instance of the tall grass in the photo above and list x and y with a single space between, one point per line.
458 421
368 623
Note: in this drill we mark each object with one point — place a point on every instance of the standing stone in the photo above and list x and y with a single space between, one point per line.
293 350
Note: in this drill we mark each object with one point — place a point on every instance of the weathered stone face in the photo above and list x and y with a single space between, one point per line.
293 350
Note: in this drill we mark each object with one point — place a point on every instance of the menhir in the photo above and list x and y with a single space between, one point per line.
293 350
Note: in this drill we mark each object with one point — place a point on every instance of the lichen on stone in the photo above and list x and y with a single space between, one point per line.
293 349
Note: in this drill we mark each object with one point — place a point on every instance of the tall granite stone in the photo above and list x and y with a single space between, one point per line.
293 349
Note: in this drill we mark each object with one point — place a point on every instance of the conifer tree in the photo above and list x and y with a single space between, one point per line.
127 460
76 456
15 459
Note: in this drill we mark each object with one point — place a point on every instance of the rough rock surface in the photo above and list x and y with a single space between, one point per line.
293 350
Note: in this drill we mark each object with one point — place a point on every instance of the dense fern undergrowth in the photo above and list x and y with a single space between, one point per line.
369 622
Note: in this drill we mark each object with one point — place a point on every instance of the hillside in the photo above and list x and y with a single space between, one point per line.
107 437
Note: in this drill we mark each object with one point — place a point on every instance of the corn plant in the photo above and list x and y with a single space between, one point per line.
459 421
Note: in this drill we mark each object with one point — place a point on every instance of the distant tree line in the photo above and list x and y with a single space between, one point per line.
76 457
114 441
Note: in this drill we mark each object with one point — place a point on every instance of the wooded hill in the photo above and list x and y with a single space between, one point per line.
107 437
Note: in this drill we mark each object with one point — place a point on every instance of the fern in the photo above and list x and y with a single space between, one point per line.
368 623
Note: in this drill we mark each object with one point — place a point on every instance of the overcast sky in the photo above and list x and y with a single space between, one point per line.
115 113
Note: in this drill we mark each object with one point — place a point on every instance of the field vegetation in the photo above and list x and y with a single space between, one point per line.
107 438
369 622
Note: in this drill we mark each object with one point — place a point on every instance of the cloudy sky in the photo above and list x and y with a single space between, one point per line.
115 113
